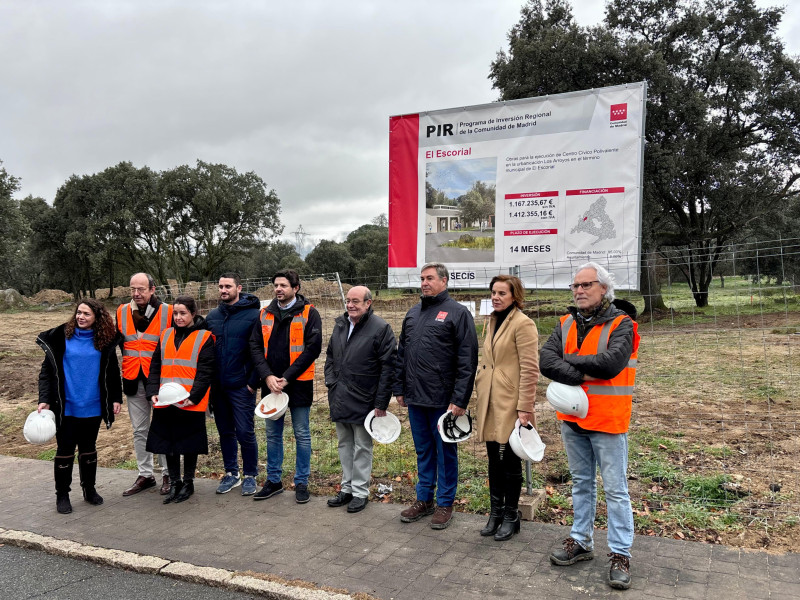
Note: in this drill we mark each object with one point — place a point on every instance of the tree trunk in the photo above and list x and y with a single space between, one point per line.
651 287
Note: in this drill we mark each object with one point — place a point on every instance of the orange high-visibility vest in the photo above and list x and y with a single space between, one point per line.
610 400
297 331
138 348
179 365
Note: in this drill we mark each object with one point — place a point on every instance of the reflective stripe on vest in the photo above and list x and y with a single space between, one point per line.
138 348
179 365
610 400
297 330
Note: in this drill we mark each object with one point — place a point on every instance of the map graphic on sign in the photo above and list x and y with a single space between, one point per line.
596 222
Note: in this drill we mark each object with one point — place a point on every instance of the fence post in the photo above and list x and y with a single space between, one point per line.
341 291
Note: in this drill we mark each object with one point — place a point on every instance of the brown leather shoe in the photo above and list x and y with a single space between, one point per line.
442 517
141 483
417 510
164 486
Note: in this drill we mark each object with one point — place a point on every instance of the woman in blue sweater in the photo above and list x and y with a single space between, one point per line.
80 382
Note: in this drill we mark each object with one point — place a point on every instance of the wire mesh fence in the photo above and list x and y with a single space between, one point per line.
716 410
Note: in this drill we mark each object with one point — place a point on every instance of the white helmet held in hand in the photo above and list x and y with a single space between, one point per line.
526 443
382 429
272 406
453 429
171 393
40 427
568 399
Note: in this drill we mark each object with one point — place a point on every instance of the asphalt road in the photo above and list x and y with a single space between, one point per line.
34 574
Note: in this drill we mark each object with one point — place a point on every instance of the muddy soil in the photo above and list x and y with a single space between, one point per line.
691 385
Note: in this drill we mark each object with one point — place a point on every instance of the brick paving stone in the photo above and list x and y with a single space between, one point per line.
373 552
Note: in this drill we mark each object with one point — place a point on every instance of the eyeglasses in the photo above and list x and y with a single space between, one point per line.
583 284
135 290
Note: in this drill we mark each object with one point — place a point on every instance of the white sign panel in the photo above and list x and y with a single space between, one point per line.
541 184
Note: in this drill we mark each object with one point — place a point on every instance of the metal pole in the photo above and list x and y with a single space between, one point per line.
529 477
341 291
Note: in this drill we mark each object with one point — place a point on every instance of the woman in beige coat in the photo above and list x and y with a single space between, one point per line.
506 384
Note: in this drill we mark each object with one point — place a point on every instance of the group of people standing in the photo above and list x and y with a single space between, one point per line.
430 370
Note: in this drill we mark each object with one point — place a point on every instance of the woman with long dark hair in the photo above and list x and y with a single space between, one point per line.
506 386
184 355
80 382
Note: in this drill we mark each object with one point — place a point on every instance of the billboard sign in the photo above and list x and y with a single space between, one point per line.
539 185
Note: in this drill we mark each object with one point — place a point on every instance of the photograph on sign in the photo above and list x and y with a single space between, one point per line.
539 185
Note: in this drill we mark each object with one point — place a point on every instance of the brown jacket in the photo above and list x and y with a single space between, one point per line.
507 376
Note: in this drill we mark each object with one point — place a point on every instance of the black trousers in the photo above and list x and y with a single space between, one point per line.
505 473
80 432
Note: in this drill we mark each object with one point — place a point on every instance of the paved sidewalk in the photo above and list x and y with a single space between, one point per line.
372 551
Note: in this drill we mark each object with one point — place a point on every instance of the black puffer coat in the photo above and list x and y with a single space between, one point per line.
437 356
51 376
359 371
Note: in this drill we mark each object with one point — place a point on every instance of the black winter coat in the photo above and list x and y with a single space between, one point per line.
437 356
359 371
301 393
52 377
570 369
231 326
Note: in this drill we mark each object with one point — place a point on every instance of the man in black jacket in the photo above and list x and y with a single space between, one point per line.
359 369
436 361
233 393
284 349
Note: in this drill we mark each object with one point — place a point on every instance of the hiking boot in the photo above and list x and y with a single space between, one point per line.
249 486
341 499
269 490
442 517
229 482
619 576
301 495
571 553
417 510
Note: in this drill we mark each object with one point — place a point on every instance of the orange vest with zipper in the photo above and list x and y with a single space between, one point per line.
138 348
610 400
179 365
297 331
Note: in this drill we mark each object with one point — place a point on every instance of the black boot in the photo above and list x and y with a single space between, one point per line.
496 511
175 486
496 490
512 516
186 492
87 467
62 470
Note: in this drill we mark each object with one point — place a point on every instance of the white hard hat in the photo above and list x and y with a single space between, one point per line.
526 443
568 399
40 427
454 429
171 393
382 429
272 406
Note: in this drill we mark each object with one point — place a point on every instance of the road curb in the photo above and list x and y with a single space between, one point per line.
154 565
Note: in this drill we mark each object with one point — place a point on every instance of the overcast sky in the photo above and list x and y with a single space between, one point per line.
299 92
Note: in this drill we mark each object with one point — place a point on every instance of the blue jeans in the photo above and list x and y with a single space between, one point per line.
302 436
586 450
437 461
233 413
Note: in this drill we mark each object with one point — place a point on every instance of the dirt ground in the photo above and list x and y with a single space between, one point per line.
724 399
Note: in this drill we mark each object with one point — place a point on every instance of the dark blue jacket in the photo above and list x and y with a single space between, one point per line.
438 354
231 326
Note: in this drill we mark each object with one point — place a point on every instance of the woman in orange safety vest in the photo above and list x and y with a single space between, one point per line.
184 356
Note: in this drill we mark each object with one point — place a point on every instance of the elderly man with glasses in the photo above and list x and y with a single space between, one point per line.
595 346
